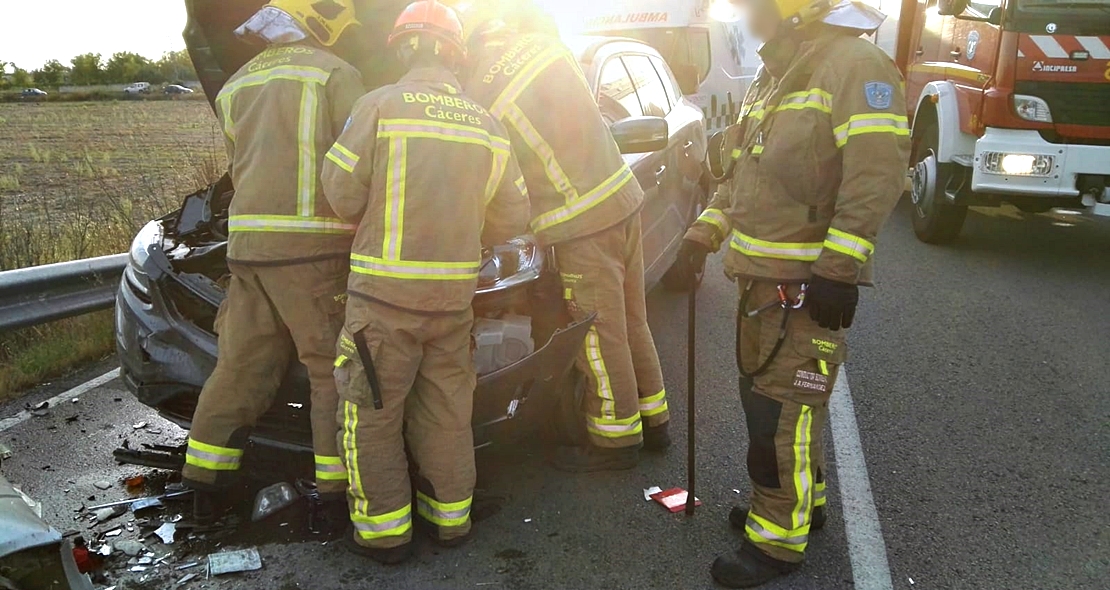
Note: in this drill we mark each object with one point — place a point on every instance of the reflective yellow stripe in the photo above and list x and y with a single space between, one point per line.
496 174
330 468
803 469
543 151
716 218
224 101
343 157
871 123
288 224
396 169
303 74
449 514
212 457
425 129
757 150
411 269
745 244
340 360
586 202
521 185
846 243
814 98
615 427
568 294
823 366
736 153
390 524
524 77
819 494
306 152
601 375
654 405
759 530
350 448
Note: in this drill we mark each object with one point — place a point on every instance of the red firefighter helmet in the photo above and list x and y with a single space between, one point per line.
429 18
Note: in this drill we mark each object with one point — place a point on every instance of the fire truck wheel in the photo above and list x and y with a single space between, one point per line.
935 220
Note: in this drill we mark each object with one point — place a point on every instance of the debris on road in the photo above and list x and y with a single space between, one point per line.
39 410
139 425
129 547
106 514
132 501
5 452
187 578
144 503
649 491
102 485
114 532
673 499
230 562
186 566
166 532
271 499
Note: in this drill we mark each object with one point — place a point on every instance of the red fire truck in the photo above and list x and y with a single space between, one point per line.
1010 102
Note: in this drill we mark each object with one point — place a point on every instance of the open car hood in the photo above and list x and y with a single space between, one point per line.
217 53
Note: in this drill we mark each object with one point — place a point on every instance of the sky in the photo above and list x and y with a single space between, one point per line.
37 31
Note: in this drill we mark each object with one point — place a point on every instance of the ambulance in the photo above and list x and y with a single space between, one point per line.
714 61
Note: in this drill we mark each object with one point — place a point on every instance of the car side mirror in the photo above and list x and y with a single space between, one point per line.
637 135
687 77
951 7
714 156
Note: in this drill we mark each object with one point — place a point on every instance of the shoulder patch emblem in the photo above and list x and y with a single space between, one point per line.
879 95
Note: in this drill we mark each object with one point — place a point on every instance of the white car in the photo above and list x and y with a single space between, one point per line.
137 88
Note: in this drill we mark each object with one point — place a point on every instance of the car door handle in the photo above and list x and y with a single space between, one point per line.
920 51
687 145
662 169
955 53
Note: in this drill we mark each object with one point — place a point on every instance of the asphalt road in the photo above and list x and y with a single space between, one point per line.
979 385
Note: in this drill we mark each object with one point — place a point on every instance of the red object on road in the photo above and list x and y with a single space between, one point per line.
674 499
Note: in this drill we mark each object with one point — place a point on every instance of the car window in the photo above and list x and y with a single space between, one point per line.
669 82
653 97
616 94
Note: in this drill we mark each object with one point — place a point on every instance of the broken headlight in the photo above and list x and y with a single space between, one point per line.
148 237
516 262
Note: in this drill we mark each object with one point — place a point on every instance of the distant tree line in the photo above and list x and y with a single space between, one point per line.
90 69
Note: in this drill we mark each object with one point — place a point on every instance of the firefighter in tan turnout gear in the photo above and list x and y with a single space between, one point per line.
585 202
429 177
286 249
819 157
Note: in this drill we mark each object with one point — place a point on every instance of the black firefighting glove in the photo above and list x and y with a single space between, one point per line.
832 304
691 259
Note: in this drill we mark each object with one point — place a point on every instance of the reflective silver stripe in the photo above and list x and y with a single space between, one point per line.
804 251
763 533
293 73
544 153
383 527
395 199
213 457
586 202
846 243
814 98
714 217
343 157
652 405
288 223
440 516
306 151
871 123
432 130
330 468
404 269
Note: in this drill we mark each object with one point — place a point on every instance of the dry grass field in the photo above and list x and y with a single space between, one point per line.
78 180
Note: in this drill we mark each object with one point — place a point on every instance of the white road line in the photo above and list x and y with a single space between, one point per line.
866 547
65 396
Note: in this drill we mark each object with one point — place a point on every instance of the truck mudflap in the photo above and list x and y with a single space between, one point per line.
521 397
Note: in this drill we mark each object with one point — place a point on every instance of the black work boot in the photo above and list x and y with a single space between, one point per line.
738 517
748 567
590 458
657 438
328 514
208 506
383 555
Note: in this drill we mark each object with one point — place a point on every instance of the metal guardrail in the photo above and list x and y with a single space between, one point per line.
40 294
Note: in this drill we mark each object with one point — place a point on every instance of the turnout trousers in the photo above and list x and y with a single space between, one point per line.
604 273
270 314
425 371
786 408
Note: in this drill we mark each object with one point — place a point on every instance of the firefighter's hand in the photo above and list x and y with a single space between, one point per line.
691 259
832 304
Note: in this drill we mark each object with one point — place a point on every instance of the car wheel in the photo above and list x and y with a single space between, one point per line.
935 220
567 425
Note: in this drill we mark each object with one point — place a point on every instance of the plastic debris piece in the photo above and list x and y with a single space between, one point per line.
911 581
168 496
273 498
39 410
102 485
735 491
166 532
186 566
187 578
5 452
139 568
135 481
230 562
114 532
139 425
145 561
674 499
106 514
105 549
144 503
649 491
129 547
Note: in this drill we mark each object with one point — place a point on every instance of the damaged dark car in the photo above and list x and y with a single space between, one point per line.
524 341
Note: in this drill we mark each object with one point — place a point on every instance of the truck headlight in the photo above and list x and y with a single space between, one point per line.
148 237
1032 108
1017 164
